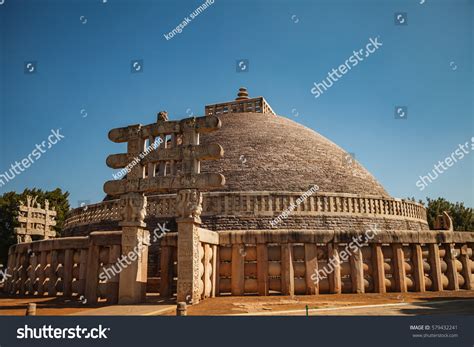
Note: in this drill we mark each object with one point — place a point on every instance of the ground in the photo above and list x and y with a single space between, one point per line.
449 302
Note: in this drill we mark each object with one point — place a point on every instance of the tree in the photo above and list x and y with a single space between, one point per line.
463 217
9 203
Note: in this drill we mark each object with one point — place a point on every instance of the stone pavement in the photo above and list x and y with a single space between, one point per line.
128 310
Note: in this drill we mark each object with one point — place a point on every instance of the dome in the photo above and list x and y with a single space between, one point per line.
266 152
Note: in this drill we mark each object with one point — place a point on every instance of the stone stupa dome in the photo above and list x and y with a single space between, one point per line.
266 152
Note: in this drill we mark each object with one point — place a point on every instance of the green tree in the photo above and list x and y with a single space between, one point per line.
463 217
9 203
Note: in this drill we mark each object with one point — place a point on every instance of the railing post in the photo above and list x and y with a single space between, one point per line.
53 277
311 267
287 270
67 278
466 268
418 274
399 268
92 273
166 271
378 268
357 272
237 275
335 286
262 269
451 272
435 266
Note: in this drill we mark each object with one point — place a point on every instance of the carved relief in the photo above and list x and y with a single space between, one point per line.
189 204
34 220
133 208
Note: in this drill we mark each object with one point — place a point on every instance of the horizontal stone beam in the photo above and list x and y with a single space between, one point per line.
23 219
204 124
202 181
48 245
200 152
208 236
37 210
24 231
331 236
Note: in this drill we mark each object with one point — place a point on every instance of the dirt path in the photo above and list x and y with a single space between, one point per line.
270 305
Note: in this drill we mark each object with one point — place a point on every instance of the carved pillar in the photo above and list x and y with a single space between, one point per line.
189 208
135 241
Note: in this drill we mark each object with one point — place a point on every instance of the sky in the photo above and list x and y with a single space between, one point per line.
80 81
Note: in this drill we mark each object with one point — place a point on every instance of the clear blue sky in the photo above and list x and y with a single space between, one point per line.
426 65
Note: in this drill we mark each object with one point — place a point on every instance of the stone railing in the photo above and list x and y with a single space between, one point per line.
258 105
287 262
261 204
262 262
67 267
165 280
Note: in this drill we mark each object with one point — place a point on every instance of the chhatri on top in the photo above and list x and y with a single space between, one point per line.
241 104
242 94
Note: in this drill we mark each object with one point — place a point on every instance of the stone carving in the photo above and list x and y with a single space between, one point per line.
35 221
443 222
189 204
133 209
